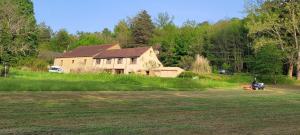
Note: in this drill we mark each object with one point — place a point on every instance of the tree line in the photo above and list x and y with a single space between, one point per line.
266 41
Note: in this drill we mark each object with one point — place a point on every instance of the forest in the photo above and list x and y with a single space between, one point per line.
264 43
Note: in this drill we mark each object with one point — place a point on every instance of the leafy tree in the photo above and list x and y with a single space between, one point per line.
84 39
61 40
163 19
123 33
44 33
228 44
106 32
44 36
107 35
179 45
18 37
165 37
268 63
142 28
276 22
292 23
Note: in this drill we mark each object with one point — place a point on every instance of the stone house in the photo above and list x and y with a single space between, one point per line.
112 58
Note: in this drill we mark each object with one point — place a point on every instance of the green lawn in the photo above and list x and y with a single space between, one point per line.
43 81
230 111
103 104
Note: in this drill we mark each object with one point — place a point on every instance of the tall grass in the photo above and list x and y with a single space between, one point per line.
43 81
201 65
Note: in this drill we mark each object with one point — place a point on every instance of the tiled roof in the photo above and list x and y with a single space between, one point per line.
86 51
123 53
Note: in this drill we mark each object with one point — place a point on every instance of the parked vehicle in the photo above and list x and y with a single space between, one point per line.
56 69
225 72
222 71
257 86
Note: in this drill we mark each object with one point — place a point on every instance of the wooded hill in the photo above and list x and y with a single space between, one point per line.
265 42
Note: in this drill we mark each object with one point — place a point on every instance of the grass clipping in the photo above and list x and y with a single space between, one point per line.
201 65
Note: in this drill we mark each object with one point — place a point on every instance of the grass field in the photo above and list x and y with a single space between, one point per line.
103 104
43 81
232 111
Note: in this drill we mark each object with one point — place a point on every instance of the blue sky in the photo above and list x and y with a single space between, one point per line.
94 15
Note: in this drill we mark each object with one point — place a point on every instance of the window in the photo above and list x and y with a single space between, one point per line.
108 61
73 61
98 61
85 61
120 61
61 62
133 60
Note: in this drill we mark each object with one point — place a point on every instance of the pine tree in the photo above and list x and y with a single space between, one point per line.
142 28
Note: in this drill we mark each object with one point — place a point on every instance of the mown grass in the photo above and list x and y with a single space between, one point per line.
43 81
228 111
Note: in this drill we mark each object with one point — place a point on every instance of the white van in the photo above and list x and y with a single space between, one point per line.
56 69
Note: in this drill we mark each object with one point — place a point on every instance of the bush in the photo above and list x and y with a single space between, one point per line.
201 65
33 64
188 74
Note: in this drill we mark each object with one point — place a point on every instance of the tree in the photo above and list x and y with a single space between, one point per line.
85 39
44 33
142 28
17 31
107 34
179 45
275 22
163 19
228 44
123 33
61 40
292 24
268 63
165 37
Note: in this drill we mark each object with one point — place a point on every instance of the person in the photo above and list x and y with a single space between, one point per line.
254 82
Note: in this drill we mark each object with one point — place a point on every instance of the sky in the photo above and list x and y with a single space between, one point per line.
95 15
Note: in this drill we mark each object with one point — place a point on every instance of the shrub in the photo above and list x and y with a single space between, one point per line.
33 64
201 65
187 74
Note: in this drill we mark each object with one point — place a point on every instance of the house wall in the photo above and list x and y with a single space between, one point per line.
166 73
144 63
79 63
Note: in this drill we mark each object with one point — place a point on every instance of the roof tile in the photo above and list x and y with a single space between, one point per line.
86 51
122 53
